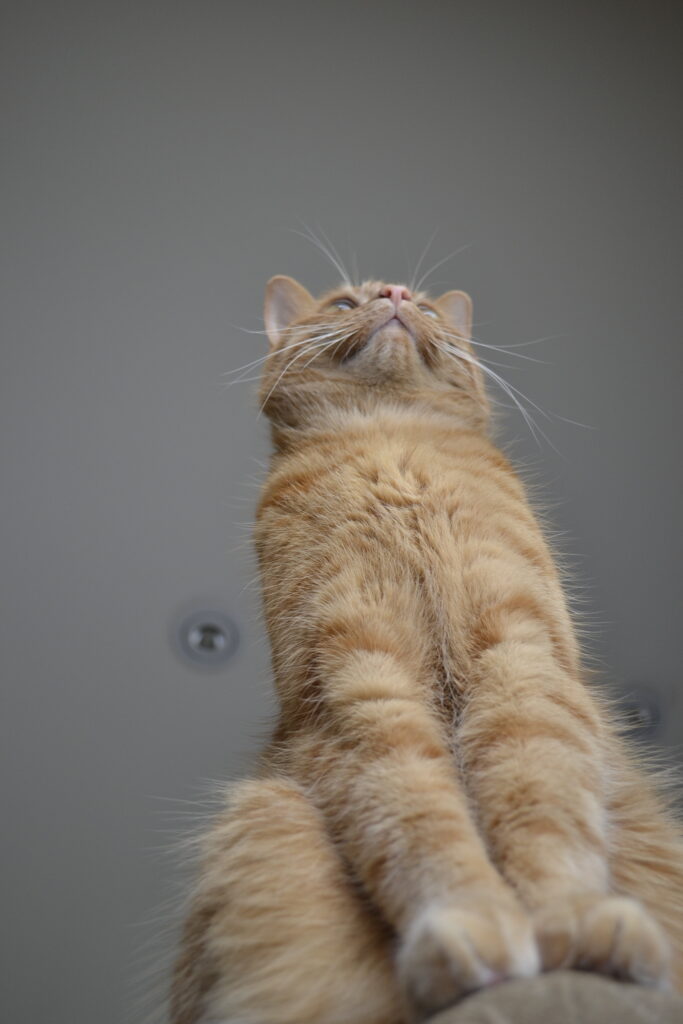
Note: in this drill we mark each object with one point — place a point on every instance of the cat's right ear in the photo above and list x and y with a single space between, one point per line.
286 301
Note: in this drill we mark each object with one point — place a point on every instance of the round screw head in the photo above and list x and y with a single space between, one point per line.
207 638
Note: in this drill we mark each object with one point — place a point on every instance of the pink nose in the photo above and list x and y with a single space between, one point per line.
397 293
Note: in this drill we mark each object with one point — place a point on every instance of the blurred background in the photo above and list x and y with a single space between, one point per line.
158 159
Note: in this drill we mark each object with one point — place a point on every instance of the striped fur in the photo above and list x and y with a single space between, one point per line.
446 802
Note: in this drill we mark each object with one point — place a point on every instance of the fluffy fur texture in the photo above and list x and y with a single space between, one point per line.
445 802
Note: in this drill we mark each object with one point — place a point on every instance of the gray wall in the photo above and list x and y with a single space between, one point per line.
155 157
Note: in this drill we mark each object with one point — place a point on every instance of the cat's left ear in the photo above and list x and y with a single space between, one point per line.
286 301
457 308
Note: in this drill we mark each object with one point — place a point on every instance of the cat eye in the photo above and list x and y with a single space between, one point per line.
343 304
428 311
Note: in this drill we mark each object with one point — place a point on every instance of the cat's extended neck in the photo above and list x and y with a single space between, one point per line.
387 415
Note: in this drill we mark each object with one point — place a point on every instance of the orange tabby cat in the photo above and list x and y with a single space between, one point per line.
445 803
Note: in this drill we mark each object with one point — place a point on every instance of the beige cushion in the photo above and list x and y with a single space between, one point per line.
566 997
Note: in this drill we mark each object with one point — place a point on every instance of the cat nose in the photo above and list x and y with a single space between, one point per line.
397 293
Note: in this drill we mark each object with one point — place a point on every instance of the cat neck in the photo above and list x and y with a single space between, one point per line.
387 417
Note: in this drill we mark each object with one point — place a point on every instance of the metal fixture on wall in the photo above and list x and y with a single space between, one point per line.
207 638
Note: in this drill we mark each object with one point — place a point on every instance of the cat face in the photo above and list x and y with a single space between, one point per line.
358 344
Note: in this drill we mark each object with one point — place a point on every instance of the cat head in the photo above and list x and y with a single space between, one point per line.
357 347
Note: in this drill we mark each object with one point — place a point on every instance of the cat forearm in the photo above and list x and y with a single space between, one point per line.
386 781
531 743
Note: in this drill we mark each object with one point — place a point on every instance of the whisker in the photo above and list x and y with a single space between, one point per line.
509 390
422 256
512 386
240 380
441 262
262 359
305 351
287 367
286 348
335 252
262 331
323 348
334 260
506 350
247 380
354 268
534 341
574 423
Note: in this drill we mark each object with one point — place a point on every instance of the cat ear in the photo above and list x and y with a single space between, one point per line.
286 301
457 308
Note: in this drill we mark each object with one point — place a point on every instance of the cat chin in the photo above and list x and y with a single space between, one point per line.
393 327
393 336
392 353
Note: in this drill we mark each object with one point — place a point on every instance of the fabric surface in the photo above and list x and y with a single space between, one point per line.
566 997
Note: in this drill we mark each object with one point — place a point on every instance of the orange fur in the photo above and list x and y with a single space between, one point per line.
445 802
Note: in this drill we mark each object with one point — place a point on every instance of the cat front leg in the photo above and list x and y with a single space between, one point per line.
532 746
380 769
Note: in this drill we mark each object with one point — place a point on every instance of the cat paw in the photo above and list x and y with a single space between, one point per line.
611 935
451 951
